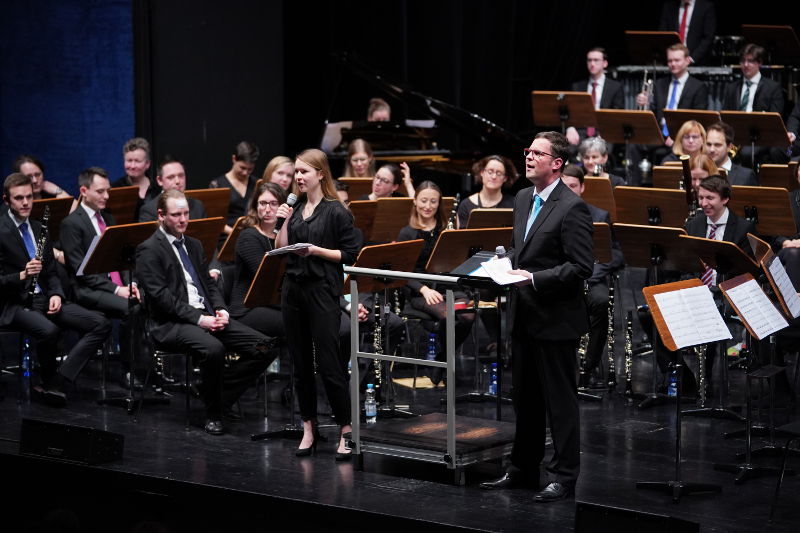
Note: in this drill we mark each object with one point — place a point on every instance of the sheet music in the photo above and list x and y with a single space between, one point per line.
692 316
756 309
498 269
289 248
784 284
88 255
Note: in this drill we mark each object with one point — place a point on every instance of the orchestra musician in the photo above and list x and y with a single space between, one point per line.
33 168
360 162
187 312
240 180
379 110
695 22
719 143
701 167
136 157
41 310
280 170
171 175
593 153
310 294
690 140
388 179
495 174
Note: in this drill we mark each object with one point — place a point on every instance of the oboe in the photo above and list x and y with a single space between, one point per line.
629 355
612 371
39 252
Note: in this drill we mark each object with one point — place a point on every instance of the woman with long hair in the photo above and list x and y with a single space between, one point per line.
360 162
280 170
495 174
310 294
690 140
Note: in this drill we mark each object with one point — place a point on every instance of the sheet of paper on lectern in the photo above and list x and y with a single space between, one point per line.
692 316
757 311
784 284
498 269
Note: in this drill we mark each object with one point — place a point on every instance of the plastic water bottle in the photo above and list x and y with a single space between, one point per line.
431 355
493 380
672 386
370 405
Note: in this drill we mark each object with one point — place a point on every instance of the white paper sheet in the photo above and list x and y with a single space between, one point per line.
787 290
498 271
756 309
692 316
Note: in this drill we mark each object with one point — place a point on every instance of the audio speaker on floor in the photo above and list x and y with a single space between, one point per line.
590 517
75 444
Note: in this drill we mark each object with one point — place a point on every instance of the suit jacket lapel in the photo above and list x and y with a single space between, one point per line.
14 230
545 211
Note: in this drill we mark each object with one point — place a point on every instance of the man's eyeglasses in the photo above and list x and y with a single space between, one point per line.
273 204
537 154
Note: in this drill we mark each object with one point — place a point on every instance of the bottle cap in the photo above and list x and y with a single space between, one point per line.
370 386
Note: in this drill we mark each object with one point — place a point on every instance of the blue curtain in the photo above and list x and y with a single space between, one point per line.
66 85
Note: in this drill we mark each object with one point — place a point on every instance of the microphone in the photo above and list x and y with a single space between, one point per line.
290 201
500 252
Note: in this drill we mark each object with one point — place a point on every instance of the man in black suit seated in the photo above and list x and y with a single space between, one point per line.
171 175
187 312
552 249
755 92
597 285
698 23
719 143
44 314
106 293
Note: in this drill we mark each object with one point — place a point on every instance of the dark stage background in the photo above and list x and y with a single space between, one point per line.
79 78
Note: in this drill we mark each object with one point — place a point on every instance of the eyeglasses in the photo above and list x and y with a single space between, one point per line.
385 181
493 172
273 204
537 154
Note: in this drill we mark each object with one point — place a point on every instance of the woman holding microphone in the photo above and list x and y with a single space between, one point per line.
311 289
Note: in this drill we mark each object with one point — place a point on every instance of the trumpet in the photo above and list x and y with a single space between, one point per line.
647 89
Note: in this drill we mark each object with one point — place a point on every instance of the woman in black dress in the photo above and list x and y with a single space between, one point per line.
428 219
495 174
254 241
311 289
240 180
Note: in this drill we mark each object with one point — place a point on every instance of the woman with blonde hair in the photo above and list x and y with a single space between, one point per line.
280 170
690 140
360 161
702 166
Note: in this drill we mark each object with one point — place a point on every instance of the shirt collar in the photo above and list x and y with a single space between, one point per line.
722 220
727 165
754 80
170 237
89 211
682 79
544 194
17 221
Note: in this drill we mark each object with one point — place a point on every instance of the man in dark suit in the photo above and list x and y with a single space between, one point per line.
106 293
171 175
719 143
188 313
606 93
46 312
698 23
552 249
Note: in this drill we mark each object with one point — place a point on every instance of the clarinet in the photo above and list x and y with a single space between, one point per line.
454 212
700 350
612 372
629 355
583 347
377 343
39 253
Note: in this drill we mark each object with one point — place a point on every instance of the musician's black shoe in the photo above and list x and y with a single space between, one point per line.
214 427
437 375
554 491
512 479
52 398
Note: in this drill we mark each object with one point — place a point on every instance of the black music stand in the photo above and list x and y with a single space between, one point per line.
769 209
645 47
676 117
115 251
567 108
400 256
677 487
629 127
483 218
656 249
59 209
759 128
455 248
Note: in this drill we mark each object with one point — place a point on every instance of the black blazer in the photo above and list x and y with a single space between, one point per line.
160 275
736 230
558 251
693 96
13 258
768 97
77 234
701 30
612 96
740 175
149 211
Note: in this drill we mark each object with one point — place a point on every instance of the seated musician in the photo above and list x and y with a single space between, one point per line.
379 110
33 168
342 191
719 143
495 174
695 22
105 293
360 162
597 294
240 180
690 140
428 220
41 310
280 170
702 167
136 154
593 153
187 312
171 175
388 180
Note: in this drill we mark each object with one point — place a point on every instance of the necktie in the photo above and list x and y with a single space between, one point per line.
29 246
115 277
673 101
187 264
708 275
590 131
682 29
537 206
745 96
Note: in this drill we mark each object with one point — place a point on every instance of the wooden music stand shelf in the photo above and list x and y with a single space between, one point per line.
227 254
214 200
599 193
207 231
650 206
563 108
676 117
490 218
59 209
357 187
457 245
769 209
122 203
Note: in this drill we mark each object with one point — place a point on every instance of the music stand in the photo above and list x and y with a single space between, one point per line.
677 487
59 209
399 256
769 209
115 251
676 117
637 127
779 176
391 215
357 187
122 202
780 41
227 254
667 177
650 206
364 216
759 128
215 201
482 218
567 108
645 47
207 231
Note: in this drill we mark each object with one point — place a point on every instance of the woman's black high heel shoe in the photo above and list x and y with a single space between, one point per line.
306 452
345 456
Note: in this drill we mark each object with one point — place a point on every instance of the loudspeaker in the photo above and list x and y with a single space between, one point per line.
74 444
593 518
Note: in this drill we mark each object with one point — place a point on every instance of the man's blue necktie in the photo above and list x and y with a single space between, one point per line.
673 101
29 246
537 206
187 264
